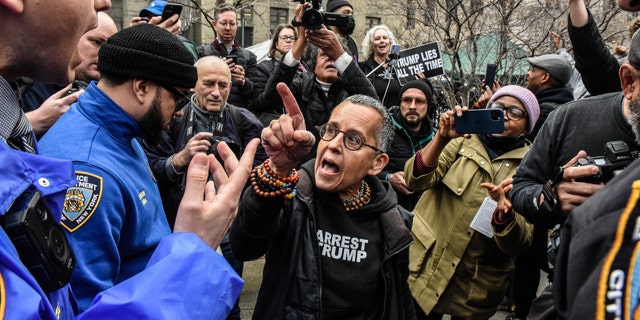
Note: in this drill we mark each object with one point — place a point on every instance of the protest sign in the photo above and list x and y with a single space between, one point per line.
425 58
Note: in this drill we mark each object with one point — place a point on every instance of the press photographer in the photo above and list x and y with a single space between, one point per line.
545 189
338 17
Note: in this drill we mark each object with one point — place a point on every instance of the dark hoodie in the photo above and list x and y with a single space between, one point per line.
292 285
549 100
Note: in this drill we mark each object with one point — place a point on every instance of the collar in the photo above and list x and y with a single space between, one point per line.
21 169
220 44
9 108
105 113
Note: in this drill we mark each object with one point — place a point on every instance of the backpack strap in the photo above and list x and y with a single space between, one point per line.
236 115
204 50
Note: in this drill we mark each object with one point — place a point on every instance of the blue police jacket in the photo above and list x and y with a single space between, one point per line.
183 279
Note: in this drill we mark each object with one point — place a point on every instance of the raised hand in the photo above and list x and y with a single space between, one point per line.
286 140
210 218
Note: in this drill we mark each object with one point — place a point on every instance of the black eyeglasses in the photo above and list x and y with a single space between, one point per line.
287 38
512 112
180 98
352 140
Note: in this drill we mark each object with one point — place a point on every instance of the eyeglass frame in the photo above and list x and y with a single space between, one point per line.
285 38
179 97
507 110
344 137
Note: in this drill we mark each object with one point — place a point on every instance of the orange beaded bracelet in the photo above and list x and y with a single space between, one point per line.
267 184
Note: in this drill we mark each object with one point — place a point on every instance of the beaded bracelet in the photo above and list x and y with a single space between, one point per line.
267 184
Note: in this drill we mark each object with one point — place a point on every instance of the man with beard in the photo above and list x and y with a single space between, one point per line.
145 74
413 130
547 185
596 266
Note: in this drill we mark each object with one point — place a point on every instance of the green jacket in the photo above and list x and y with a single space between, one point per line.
452 268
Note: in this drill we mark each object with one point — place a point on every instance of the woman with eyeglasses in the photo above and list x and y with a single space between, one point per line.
335 239
464 227
377 45
282 41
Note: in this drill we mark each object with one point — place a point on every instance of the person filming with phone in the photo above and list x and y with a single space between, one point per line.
165 15
464 176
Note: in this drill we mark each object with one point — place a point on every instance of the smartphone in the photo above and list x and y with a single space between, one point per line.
480 121
490 75
170 9
233 57
394 52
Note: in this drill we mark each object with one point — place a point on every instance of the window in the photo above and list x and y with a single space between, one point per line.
373 21
244 35
276 17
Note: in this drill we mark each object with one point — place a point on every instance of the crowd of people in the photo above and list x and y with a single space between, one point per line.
186 161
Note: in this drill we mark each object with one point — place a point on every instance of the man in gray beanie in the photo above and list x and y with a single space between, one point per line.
549 188
114 215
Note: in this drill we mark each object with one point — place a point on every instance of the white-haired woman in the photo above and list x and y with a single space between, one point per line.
377 46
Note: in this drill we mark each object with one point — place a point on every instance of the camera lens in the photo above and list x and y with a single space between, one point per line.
496 115
58 245
312 19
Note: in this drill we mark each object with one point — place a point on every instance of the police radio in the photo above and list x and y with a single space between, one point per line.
40 241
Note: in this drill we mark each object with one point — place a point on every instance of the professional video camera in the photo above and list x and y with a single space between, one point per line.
314 17
617 156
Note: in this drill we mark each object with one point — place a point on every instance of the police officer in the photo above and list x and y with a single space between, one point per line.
23 297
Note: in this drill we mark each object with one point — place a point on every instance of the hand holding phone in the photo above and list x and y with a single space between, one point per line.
480 121
170 9
490 75
233 57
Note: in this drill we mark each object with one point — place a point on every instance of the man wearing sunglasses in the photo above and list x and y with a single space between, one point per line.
114 215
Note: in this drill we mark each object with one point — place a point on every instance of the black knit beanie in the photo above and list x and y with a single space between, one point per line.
422 85
148 52
332 5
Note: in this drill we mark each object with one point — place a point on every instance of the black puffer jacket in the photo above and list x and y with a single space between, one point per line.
292 279
265 69
315 106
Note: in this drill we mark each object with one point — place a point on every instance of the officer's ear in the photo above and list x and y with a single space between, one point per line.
629 80
144 91
15 6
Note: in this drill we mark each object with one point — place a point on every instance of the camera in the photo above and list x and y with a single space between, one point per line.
234 146
617 156
40 241
313 18
75 87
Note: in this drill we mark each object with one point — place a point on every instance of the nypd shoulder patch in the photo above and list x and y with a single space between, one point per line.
81 200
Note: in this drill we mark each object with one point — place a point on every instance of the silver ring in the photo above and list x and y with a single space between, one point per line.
311 141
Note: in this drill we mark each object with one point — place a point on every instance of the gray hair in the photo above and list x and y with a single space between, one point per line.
384 135
368 38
